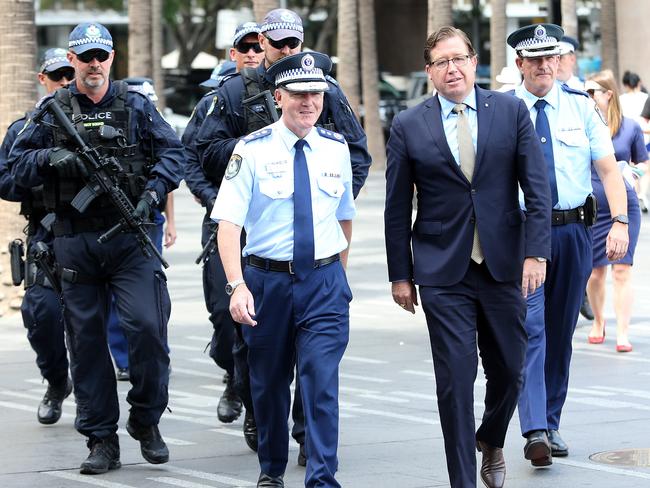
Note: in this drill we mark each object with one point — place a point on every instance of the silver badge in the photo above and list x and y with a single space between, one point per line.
60 52
307 62
93 31
287 17
540 32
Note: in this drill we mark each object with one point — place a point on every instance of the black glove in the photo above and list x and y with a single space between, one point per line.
148 200
67 164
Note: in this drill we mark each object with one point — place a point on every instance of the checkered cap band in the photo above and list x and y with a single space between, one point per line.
52 61
281 25
240 34
89 40
536 43
299 75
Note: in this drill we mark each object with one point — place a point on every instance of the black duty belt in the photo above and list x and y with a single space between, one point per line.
561 217
284 266
64 227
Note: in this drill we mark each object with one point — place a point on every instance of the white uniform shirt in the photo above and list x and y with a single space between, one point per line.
257 191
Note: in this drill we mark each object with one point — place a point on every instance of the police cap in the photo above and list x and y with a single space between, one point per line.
243 30
54 59
143 85
218 73
568 45
90 35
282 23
302 72
537 40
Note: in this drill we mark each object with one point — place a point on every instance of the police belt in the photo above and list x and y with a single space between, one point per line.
67 226
285 266
575 215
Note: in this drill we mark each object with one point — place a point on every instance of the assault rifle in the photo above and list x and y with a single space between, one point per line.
103 180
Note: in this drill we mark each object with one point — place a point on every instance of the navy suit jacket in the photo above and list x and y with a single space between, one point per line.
435 250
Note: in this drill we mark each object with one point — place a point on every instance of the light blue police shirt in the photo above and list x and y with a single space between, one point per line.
579 136
257 190
449 121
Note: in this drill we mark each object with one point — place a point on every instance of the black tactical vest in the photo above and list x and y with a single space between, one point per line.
58 192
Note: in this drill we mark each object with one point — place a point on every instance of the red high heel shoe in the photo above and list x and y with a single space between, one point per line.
624 347
598 339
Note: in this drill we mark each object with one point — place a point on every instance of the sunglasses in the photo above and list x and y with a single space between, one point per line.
290 42
244 47
591 91
67 73
98 54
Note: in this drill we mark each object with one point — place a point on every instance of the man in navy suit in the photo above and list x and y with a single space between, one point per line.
475 254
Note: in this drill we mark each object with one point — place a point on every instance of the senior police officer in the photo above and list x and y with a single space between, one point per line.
573 135
297 216
149 158
41 308
241 107
205 187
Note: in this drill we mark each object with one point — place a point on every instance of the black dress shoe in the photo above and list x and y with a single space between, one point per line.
122 374
585 308
493 467
538 449
250 430
230 405
49 410
559 448
104 455
302 458
152 445
267 481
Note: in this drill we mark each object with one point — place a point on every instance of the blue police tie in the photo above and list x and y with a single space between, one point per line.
303 224
543 130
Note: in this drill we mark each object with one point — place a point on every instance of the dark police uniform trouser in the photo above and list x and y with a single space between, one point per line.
475 311
306 322
550 323
142 299
41 311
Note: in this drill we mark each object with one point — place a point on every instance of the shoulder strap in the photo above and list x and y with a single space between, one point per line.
252 82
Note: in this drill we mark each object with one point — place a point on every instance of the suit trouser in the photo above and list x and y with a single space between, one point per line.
306 322
42 316
550 323
475 311
140 290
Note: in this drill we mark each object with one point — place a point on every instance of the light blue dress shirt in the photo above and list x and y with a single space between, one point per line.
579 135
259 195
449 121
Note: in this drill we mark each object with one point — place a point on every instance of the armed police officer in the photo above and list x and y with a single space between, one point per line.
298 220
131 158
40 308
246 52
245 104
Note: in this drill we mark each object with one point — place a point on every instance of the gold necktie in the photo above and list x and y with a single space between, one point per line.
467 160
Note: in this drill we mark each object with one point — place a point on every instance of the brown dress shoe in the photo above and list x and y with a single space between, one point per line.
493 467
538 449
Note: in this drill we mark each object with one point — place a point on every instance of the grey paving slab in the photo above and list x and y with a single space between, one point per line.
390 432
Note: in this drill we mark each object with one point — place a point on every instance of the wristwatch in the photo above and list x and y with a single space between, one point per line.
621 218
540 259
230 286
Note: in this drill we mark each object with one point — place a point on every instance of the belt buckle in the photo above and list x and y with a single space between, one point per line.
291 271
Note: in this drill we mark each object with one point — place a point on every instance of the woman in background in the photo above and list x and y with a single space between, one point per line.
627 138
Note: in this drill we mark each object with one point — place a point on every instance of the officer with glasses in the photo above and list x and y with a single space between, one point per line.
126 126
246 52
41 308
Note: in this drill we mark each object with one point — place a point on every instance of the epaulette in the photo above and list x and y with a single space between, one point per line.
335 136
225 78
568 89
332 80
39 104
259 134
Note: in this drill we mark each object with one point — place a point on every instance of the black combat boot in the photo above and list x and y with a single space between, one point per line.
49 410
230 405
104 455
152 445
250 430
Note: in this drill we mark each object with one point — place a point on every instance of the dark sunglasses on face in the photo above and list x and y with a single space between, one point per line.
67 73
98 54
244 47
591 91
290 42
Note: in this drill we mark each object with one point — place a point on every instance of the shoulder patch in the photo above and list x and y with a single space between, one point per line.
259 134
213 104
568 89
234 165
328 134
